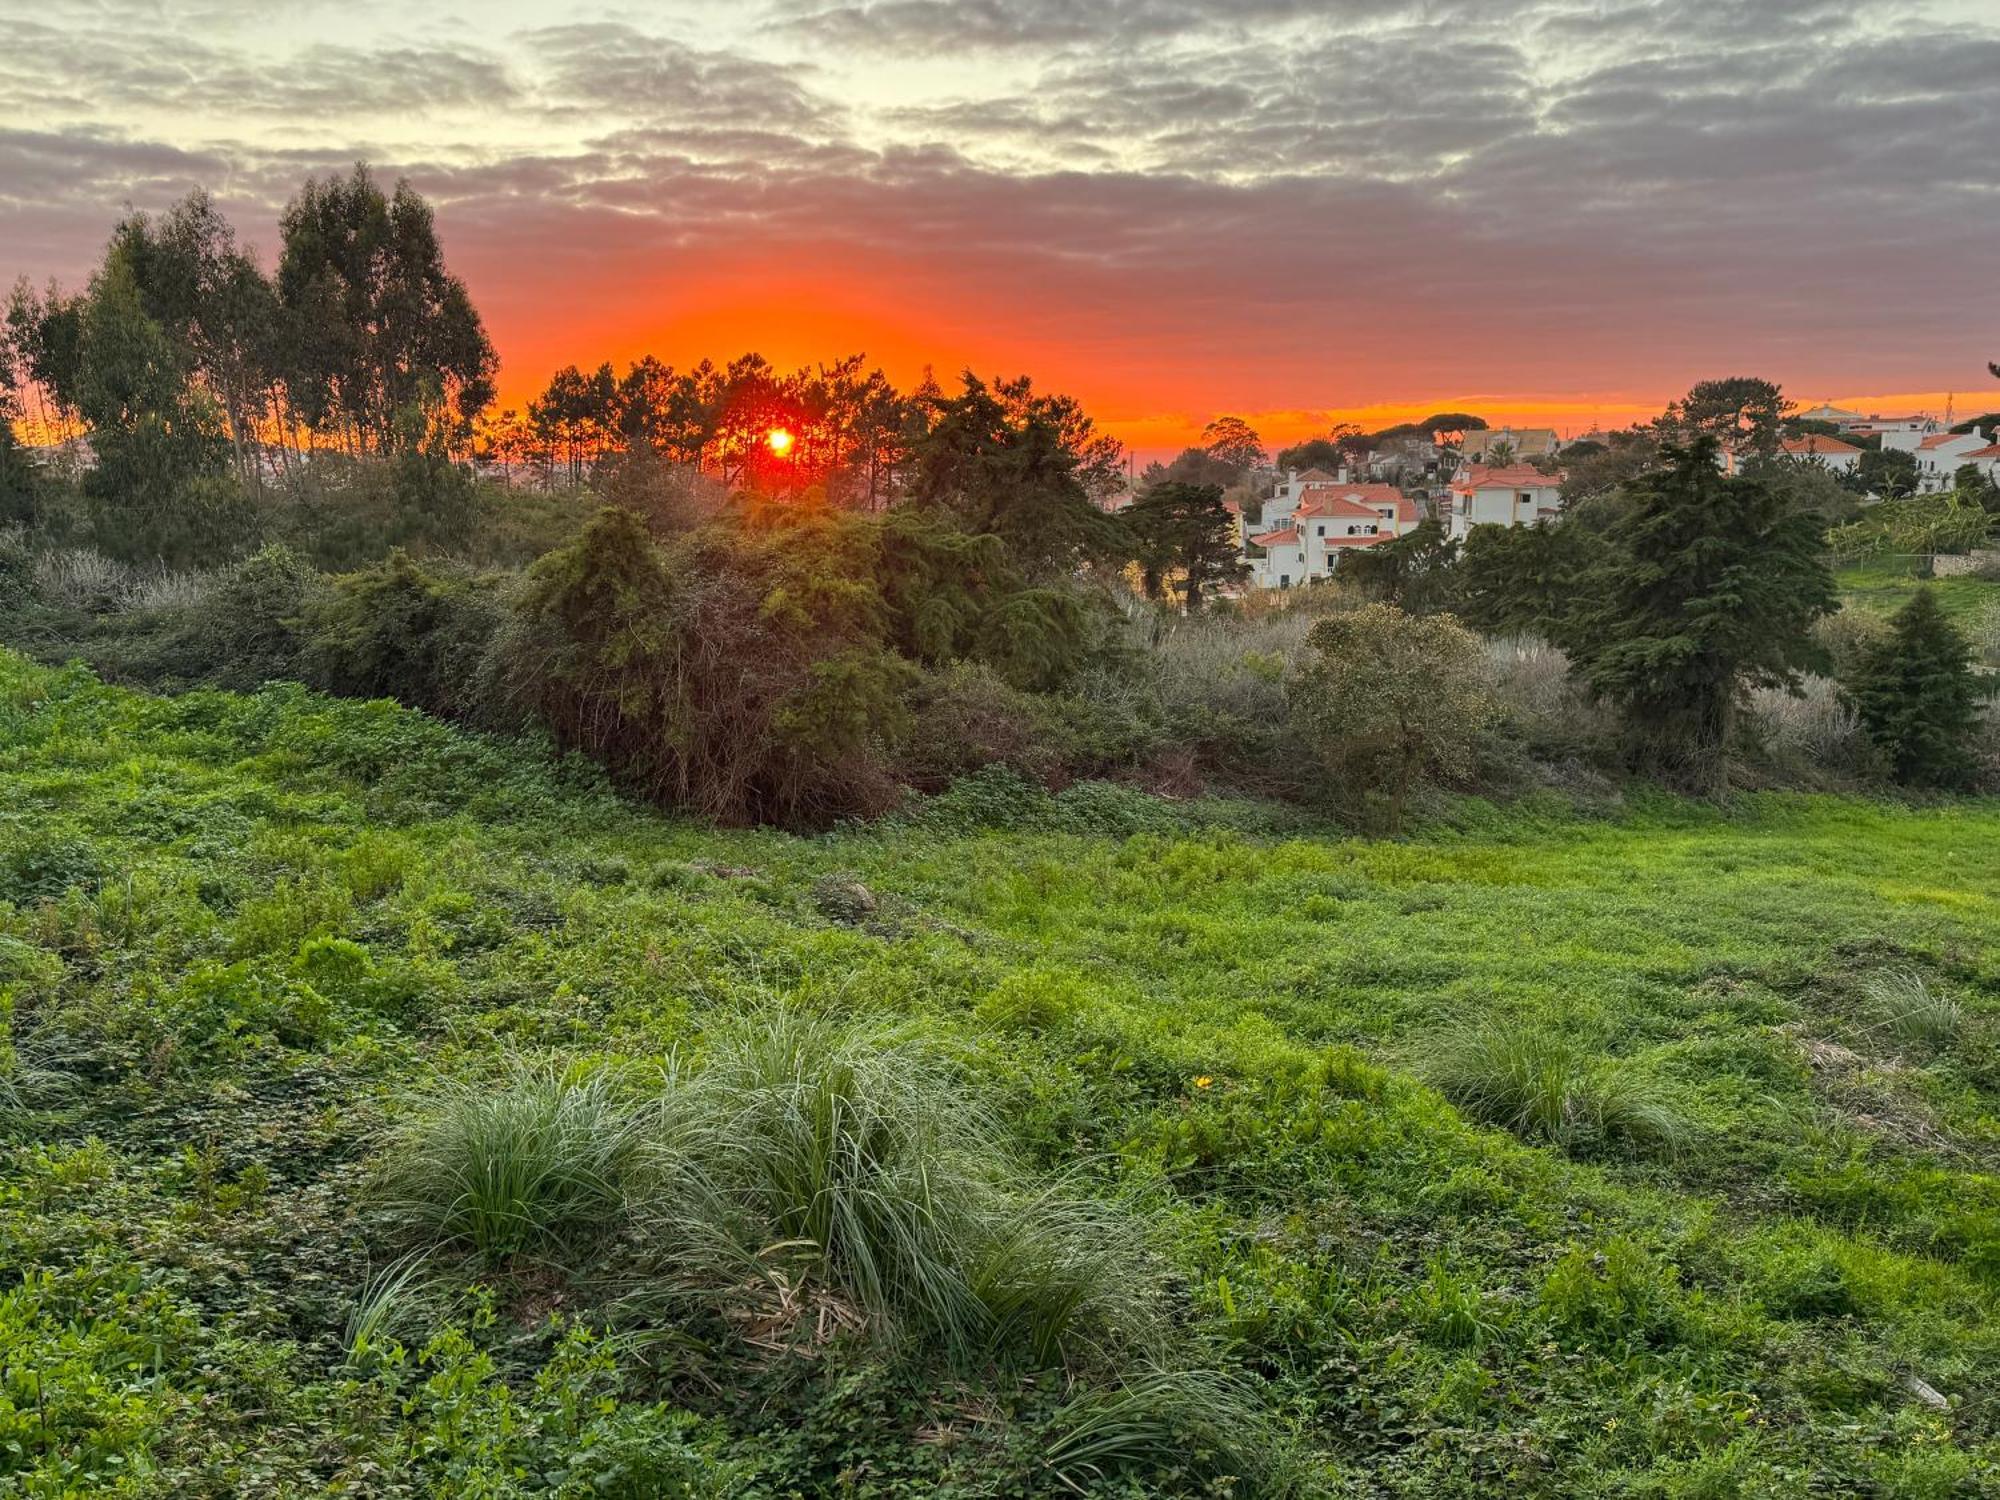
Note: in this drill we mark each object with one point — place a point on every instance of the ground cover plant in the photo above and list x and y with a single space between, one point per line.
393 1111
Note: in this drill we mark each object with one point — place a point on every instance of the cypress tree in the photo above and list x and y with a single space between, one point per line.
1916 695
1709 586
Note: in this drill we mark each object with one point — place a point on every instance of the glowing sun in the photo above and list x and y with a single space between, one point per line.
780 441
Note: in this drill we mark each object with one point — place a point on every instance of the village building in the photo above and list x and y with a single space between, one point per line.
1516 495
1521 442
1814 447
1314 520
1940 455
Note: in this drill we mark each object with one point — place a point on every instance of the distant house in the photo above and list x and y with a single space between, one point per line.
1312 522
1826 411
1815 447
1902 434
1986 460
1521 442
1516 495
1940 455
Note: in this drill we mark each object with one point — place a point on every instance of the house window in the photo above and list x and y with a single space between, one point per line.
1284 580
1322 531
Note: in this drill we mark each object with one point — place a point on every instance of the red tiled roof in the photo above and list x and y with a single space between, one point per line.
1992 450
1513 477
1305 475
1814 442
1939 439
1328 503
1286 537
1357 541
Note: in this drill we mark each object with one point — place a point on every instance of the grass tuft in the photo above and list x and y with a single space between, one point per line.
531 1165
815 1175
1911 1009
1544 1087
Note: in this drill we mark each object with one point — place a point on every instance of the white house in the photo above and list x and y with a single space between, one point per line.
1514 496
1814 447
1902 434
1312 523
1941 454
1987 459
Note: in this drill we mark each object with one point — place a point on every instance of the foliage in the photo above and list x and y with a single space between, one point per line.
1415 572
1523 580
529 1164
1389 697
268 935
1917 696
399 630
1709 586
1545 1087
1182 530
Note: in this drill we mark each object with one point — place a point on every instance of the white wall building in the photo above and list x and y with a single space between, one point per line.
1814 447
1514 496
1941 454
1314 520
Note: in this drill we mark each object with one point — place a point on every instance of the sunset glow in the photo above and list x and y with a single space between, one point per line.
779 440
1344 213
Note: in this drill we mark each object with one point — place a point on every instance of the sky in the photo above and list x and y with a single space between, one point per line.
1303 211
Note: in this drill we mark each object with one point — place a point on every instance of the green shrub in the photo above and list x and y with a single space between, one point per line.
401 630
245 631
1388 698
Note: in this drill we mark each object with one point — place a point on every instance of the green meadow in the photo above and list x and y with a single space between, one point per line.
392 1111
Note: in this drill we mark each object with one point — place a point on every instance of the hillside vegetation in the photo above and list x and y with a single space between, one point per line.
390 1111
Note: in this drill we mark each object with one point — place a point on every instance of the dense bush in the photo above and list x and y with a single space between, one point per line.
1387 698
399 630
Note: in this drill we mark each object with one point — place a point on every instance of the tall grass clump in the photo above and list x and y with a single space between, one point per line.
1545 1087
1815 724
1165 1421
1911 1009
529 1166
79 578
815 1175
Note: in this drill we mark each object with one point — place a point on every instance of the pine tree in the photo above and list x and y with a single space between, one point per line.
1916 694
1709 586
1184 529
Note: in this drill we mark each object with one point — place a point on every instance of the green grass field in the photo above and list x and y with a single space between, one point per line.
1882 585
1715 1211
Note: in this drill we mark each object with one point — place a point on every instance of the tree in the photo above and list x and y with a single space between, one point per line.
1742 413
1184 530
1886 472
1917 696
1523 580
1708 587
1007 465
1928 525
1623 458
1416 571
1388 698
1233 443
1978 486
1328 452
575 418
383 345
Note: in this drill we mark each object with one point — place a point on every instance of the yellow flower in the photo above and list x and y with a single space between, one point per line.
1203 1082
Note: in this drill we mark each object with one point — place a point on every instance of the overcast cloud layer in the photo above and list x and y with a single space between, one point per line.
1173 206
